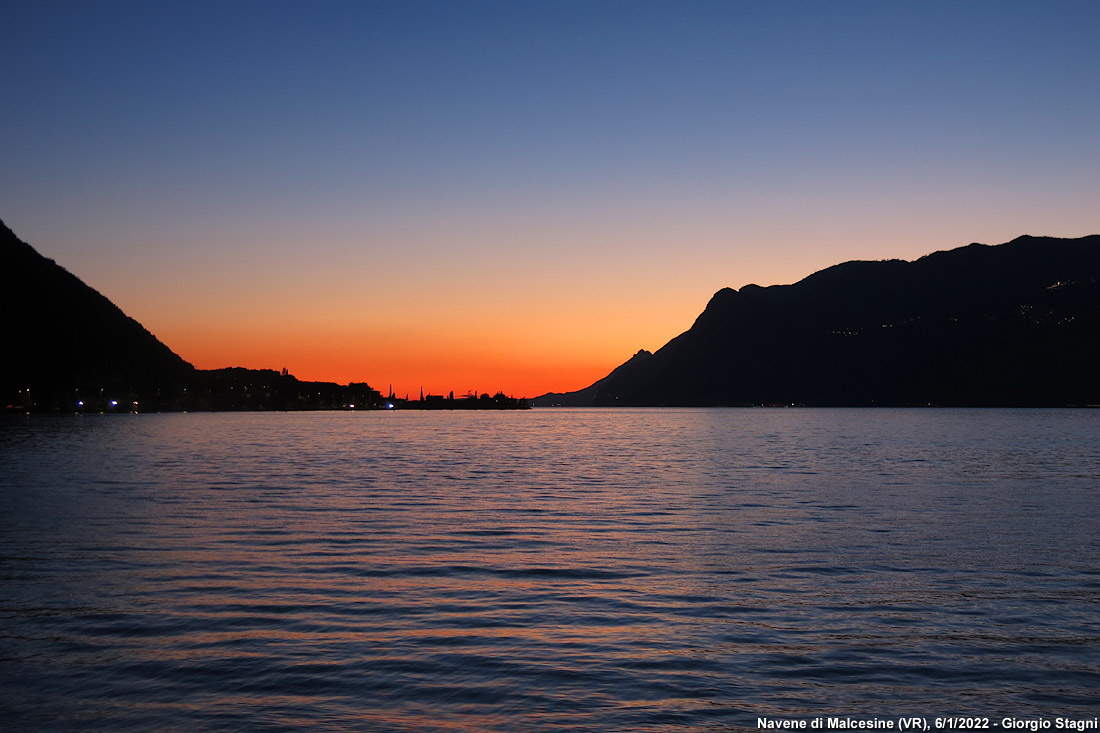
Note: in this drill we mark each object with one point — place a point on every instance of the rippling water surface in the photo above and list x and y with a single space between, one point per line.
546 570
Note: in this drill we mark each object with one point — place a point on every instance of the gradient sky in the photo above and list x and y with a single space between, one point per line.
520 195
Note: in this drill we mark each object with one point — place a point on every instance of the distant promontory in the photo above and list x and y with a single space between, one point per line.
1016 324
67 348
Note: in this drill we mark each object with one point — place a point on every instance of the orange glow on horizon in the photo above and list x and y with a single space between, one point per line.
522 344
406 367
520 324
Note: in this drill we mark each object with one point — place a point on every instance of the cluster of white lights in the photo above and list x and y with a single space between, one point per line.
113 403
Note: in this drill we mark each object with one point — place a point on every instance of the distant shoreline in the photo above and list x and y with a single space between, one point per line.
11 412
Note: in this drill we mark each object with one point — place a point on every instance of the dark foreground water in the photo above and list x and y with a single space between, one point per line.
641 570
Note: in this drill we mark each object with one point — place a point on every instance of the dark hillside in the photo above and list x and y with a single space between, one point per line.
1014 324
62 338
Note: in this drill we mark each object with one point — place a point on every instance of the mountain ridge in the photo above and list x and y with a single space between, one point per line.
68 348
981 325
65 332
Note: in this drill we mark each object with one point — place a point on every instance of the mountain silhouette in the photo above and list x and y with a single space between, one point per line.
1016 324
65 338
69 348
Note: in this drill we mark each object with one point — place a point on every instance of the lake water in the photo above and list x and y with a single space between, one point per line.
649 570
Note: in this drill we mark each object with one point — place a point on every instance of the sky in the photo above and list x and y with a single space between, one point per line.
519 195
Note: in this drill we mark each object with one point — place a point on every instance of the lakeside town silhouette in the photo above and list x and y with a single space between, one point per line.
1014 324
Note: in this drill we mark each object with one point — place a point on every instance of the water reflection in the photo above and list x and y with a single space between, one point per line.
644 569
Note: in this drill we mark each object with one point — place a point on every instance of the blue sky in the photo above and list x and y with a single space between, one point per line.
581 176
